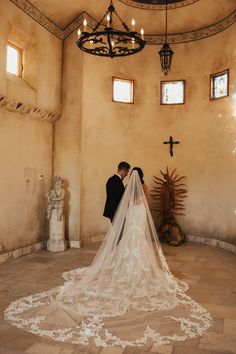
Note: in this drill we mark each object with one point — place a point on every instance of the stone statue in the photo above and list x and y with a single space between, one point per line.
55 198
55 213
168 196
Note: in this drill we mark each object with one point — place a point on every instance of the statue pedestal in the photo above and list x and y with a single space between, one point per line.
57 242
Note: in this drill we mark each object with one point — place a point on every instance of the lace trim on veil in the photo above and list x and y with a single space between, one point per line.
128 295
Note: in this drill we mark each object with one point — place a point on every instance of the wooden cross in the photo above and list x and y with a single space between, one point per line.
171 142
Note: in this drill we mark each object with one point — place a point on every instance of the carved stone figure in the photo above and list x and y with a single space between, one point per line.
55 213
168 197
55 198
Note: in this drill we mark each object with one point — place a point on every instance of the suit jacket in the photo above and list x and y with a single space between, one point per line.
115 190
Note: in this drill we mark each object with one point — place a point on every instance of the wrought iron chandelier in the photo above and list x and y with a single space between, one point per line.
166 53
108 41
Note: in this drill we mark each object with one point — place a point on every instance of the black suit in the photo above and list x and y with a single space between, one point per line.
115 190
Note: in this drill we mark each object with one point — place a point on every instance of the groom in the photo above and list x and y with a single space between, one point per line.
115 190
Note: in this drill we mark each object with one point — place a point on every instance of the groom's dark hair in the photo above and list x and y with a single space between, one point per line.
123 166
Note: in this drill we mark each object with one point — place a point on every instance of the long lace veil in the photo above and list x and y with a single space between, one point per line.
132 222
128 296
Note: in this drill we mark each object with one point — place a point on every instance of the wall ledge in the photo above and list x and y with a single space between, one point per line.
191 238
9 256
73 244
212 242
93 239
11 105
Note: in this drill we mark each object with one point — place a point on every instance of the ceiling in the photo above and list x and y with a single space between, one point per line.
159 2
183 15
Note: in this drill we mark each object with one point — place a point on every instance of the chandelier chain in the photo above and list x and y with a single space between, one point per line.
166 22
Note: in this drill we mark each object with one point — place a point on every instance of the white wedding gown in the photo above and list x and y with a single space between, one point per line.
126 297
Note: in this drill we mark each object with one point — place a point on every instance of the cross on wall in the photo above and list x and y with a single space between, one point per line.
171 142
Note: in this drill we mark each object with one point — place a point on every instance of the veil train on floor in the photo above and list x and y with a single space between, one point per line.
127 297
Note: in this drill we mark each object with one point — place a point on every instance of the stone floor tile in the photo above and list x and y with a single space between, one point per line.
186 257
42 270
86 350
5 300
191 343
191 281
213 283
229 327
6 351
218 325
185 267
221 311
23 289
45 348
13 338
112 350
173 265
4 325
228 299
92 349
200 295
225 274
162 349
185 350
135 350
218 343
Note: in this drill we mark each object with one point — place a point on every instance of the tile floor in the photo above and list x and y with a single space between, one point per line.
210 271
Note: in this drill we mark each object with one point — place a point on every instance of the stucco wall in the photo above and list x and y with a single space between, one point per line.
111 132
67 146
24 141
94 134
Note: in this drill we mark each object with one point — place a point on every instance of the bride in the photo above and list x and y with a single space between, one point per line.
127 296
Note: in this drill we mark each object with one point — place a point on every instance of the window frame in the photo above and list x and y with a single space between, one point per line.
132 89
20 57
161 88
212 77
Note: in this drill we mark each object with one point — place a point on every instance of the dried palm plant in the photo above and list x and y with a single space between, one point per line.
168 195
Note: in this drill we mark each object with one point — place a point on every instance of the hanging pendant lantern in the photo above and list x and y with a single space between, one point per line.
166 53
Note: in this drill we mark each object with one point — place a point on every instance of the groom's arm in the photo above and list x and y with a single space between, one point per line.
114 191
111 188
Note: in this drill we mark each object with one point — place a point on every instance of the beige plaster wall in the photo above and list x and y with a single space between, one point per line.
67 146
94 133
24 141
112 132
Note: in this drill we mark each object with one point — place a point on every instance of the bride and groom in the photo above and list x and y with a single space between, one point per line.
128 296
115 188
114 193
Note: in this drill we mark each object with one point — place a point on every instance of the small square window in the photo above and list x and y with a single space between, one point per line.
123 90
172 92
220 85
14 60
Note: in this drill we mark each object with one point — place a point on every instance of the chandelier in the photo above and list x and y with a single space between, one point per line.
108 41
166 53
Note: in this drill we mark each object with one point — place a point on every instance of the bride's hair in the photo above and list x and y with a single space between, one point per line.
140 173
